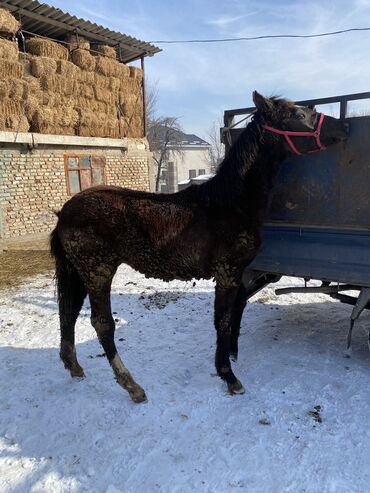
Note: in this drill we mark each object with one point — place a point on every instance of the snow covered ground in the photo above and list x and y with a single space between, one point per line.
61 435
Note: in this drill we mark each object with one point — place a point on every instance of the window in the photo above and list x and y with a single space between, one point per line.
192 173
201 171
83 172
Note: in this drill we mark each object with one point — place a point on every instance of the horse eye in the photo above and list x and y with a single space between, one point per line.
300 116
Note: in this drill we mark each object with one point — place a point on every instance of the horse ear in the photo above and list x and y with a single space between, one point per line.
261 103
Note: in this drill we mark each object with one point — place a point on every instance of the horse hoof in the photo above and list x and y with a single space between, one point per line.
234 357
138 396
78 374
236 388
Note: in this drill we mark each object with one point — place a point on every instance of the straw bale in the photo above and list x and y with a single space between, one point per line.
46 48
135 128
123 70
104 95
33 96
101 81
8 49
130 104
25 60
107 66
84 131
87 77
114 84
4 89
67 116
130 85
50 120
111 128
68 69
42 117
58 84
31 105
41 65
87 118
75 42
10 69
94 106
17 89
85 90
8 23
10 108
83 59
17 123
105 50
136 73
32 87
93 124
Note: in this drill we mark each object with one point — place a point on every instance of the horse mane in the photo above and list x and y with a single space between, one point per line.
228 184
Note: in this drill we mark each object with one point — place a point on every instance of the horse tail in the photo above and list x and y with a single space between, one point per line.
70 289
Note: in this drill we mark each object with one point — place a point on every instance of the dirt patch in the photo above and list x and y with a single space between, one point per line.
20 266
315 414
159 300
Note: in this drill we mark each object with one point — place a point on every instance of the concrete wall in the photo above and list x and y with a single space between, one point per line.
191 158
179 163
33 182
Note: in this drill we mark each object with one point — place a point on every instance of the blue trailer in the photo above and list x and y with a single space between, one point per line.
318 225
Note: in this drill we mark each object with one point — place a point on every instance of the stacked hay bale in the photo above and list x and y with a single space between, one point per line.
79 90
57 79
12 85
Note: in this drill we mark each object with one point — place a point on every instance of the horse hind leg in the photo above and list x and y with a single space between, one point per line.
103 322
71 295
69 311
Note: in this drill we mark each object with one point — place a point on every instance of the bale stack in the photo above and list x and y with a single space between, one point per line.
12 85
54 81
70 91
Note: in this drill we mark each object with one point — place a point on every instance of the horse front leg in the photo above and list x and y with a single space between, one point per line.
103 322
239 306
224 306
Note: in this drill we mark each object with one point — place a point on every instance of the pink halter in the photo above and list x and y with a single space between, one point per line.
288 133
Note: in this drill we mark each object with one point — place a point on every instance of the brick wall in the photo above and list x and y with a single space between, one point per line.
33 182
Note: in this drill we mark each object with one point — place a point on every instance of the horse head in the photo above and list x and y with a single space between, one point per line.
302 128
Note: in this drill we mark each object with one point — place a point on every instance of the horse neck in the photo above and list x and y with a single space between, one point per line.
247 175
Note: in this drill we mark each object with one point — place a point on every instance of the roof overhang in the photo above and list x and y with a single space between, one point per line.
42 19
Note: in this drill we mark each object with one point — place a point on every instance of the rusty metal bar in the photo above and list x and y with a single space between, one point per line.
343 100
318 289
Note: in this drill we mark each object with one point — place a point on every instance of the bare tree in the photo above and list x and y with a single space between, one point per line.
217 150
151 99
165 138
163 132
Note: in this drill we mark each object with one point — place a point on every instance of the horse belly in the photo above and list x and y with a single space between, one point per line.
169 263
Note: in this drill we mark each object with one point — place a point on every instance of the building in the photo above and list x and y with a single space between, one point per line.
72 113
188 157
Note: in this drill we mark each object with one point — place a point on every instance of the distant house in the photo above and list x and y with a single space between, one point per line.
187 159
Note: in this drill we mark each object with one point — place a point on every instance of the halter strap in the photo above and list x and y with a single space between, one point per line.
289 133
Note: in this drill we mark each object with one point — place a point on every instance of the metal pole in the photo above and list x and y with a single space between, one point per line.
144 94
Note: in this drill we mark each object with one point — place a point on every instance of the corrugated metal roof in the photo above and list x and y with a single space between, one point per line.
42 19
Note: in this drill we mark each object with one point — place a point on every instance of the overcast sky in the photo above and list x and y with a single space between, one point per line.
197 82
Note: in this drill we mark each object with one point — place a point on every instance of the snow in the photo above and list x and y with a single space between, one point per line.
61 435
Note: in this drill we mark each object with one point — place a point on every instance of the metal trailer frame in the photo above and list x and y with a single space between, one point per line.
318 226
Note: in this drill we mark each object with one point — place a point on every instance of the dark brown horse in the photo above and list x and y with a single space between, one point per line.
206 231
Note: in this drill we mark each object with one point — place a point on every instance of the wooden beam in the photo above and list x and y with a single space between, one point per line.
144 94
